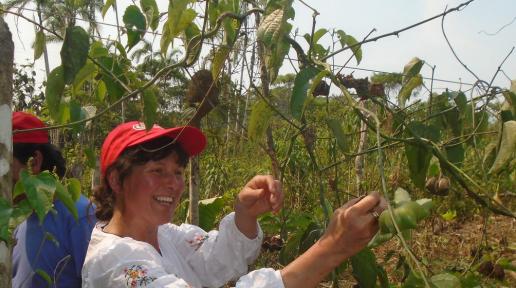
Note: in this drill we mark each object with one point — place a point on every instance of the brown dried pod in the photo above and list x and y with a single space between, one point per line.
200 86
321 89
430 184
486 268
272 243
377 90
443 186
309 136
498 273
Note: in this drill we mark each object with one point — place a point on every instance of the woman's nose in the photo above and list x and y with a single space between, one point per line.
172 179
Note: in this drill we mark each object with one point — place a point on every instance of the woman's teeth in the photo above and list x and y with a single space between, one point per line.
164 199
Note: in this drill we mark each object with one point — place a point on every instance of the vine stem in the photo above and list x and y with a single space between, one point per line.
364 110
164 71
385 194
397 32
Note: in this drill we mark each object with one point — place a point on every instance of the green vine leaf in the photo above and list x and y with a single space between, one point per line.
412 68
274 59
39 44
54 91
21 211
319 34
401 196
297 101
179 18
259 120
461 101
348 40
407 89
120 49
418 155
40 190
91 158
150 8
230 25
271 32
150 107
507 147
454 121
135 23
338 133
113 88
312 233
192 37
77 113
97 50
209 211
218 60
107 5
87 72
365 268
445 280
73 185
64 196
74 52
455 154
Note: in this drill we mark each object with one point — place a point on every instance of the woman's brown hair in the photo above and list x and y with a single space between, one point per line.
154 150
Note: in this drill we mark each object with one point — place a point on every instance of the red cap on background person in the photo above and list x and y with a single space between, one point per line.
129 134
22 121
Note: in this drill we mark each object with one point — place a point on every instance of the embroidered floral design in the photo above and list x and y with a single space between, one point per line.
197 241
136 276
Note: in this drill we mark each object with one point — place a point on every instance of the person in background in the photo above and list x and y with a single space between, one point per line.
58 245
135 245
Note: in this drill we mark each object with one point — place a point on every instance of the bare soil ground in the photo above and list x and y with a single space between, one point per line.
446 246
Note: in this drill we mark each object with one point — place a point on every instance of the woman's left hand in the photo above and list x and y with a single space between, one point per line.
260 195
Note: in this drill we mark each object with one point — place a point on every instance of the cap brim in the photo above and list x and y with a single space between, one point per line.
191 139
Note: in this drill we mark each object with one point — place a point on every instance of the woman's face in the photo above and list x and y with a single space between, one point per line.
153 190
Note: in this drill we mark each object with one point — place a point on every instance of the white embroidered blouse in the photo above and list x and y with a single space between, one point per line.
190 257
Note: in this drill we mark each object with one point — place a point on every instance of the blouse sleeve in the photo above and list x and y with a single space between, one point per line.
128 265
261 278
218 256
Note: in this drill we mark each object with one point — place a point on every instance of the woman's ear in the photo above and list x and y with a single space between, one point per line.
37 162
114 181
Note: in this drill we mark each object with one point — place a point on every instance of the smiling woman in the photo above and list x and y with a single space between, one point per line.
134 245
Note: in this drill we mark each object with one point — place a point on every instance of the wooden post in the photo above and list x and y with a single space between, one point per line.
193 209
6 146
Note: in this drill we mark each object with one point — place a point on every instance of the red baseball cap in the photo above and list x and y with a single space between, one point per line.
22 121
129 134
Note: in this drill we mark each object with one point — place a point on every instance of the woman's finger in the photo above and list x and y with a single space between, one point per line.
367 203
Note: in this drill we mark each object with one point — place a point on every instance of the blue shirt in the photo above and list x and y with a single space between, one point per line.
57 246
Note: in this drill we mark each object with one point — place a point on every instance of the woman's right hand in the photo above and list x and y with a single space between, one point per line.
353 225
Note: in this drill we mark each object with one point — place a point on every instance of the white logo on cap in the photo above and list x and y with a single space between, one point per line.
141 126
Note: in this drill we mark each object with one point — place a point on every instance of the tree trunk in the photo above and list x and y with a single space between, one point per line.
45 51
362 146
193 206
264 77
6 96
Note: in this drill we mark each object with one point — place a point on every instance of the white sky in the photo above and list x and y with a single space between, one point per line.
481 53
